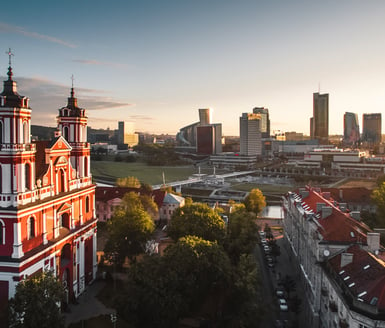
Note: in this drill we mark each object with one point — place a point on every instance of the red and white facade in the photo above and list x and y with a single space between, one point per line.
47 199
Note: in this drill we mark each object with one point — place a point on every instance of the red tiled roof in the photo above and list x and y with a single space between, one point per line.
366 272
105 194
350 195
338 226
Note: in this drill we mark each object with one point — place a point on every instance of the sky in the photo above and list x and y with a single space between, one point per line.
155 63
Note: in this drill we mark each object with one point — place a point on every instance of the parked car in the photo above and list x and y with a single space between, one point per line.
282 304
266 249
264 241
262 234
280 293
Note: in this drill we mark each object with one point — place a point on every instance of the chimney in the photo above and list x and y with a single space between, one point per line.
346 258
326 211
341 194
326 194
373 240
343 207
319 207
303 192
355 215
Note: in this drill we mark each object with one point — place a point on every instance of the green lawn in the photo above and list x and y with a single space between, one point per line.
146 174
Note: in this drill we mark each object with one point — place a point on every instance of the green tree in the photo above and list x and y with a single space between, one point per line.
132 182
242 233
197 219
185 281
35 304
378 196
255 201
129 229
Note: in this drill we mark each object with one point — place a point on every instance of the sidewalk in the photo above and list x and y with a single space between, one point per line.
88 305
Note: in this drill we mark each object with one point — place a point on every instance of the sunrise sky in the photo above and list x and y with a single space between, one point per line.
156 62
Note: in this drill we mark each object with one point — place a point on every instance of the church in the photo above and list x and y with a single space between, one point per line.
47 198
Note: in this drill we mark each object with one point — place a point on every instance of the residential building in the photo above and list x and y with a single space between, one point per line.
47 217
371 128
108 198
339 259
250 134
351 130
319 123
170 203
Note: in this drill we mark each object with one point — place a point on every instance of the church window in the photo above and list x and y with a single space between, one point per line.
87 204
61 181
25 132
65 220
2 232
31 228
85 166
66 132
28 176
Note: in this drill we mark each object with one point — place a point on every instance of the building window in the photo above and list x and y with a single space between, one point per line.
65 221
87 204
25 133
85 166
66 132
31 228
2 232
1 132
61 181
28 176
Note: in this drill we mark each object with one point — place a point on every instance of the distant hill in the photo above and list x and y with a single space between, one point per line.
42 132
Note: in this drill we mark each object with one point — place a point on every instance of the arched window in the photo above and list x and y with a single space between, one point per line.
27 176
2 232
85 166
61 187
87 204
66 133
25 133
31 228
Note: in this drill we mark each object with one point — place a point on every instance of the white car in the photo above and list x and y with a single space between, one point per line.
266 249
282 304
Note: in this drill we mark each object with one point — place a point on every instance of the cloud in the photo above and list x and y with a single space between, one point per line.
97 62
7 28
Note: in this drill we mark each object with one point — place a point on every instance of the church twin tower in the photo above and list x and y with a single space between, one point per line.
47 217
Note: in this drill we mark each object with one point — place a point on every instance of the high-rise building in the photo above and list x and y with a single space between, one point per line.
265 120
371 128
250 134
319 128
351 129
126 134
47 217
205 116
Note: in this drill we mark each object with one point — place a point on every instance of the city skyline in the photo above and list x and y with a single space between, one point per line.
155 64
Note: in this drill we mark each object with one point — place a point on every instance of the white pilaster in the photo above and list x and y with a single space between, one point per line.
17 244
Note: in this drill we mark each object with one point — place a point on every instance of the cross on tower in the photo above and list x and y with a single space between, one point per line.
72 79
10 54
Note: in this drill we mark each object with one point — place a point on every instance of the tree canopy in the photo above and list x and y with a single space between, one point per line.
35 304
129 229
196 219
255 201
132 182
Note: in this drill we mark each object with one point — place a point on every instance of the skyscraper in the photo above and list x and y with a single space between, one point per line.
351 129
250 134
320 121
126 134
265 121
371 128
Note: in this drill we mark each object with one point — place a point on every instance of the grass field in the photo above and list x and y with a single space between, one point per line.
146 174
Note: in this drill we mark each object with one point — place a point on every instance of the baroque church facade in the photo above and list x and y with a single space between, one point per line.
47 199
